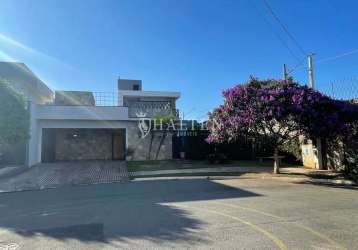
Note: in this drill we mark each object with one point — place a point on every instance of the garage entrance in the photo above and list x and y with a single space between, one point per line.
83 144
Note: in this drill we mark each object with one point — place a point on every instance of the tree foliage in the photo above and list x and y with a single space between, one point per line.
14 116
279 111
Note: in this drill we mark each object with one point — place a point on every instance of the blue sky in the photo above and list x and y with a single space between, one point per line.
193 46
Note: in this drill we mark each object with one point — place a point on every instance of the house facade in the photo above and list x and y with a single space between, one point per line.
83 125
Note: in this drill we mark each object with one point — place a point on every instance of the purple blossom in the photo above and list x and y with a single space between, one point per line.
251 108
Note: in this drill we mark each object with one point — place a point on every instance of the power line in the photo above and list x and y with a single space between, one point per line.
276 34
337 56
284 27
299 65
327 59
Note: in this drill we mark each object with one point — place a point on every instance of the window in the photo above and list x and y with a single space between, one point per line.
135 87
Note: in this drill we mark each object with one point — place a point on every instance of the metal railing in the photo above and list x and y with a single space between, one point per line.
106 99
150 108
112 99
345 89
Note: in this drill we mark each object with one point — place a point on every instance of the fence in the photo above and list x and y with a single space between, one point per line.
345 89
106 98
196 148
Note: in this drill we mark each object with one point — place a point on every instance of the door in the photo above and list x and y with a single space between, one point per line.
48 145
119 145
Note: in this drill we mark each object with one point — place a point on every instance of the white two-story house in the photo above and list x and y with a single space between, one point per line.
82 125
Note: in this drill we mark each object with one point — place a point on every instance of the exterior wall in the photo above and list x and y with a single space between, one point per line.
139 148
151 107
137 145
82 124
83 98
34 148
309 156
124 95
49 112
89 144
15 154
126 84
34 144
26 82
50 116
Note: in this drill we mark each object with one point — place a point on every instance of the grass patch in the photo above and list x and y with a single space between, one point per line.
149 165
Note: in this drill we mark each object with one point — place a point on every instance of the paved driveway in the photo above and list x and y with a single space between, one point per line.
187 213
48 175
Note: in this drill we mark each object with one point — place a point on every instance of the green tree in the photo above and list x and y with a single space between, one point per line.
14 116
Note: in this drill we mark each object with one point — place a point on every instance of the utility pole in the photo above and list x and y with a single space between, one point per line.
311 84
310 71
285 73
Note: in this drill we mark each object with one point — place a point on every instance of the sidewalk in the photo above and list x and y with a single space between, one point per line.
52 175
8 171
202 170
298 175
302 171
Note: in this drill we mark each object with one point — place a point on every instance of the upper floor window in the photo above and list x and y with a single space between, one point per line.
135 87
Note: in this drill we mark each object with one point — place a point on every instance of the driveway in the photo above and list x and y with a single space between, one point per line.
192 213
49 175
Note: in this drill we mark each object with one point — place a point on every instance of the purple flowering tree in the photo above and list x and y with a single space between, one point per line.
277 111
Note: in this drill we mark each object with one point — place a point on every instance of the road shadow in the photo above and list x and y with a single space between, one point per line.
113 212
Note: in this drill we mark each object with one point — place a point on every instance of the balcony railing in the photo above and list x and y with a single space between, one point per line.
111 99
151 109
106 99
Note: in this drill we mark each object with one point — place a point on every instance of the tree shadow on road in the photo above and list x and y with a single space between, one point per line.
109 213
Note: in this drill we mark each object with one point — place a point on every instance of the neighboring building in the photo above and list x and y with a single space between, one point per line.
27 83
82 125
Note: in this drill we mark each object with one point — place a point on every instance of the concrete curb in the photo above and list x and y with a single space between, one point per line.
257 170
8 172
202 170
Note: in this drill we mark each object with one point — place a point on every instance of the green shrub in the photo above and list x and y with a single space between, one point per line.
14 116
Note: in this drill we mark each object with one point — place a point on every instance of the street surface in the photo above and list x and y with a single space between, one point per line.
184 213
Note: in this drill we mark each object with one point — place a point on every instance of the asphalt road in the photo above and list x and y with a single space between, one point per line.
186 213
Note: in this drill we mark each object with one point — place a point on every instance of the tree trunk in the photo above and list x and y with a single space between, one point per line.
150 145
276 162
164 135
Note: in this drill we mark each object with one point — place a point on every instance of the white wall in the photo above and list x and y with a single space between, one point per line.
70 117
81 113
82 124
35 145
